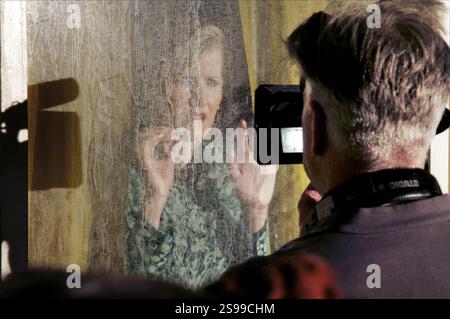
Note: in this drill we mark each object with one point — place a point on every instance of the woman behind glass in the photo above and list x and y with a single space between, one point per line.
189 222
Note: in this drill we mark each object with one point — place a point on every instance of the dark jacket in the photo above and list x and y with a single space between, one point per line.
410 243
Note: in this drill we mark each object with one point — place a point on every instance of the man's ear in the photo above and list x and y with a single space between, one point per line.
319 137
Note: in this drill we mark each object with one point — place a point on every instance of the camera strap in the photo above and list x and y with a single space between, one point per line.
373 189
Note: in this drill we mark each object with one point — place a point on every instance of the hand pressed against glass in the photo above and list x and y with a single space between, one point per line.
196 96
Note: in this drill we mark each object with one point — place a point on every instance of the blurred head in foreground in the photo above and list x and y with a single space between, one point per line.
280 277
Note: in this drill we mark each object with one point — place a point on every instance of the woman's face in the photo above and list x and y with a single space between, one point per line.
196 94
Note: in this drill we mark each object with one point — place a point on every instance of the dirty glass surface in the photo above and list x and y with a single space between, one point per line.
187 221
111 83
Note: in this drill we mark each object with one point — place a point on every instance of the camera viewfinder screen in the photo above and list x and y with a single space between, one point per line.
292 139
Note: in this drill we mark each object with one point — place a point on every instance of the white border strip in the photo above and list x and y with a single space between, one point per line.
439 154
13 52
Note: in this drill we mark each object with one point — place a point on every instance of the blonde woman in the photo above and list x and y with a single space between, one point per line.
189 223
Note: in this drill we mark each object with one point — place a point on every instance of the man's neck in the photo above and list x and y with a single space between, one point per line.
343 172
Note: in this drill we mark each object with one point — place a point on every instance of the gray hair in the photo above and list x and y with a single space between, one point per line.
386 87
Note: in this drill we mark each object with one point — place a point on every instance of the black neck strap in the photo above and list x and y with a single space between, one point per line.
380 188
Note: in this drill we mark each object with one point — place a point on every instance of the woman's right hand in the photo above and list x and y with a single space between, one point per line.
158 170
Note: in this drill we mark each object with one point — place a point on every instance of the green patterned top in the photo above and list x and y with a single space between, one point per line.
202 231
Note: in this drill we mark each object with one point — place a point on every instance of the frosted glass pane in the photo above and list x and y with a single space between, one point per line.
109 81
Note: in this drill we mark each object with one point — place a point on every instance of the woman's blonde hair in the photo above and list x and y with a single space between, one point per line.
210 36
204 38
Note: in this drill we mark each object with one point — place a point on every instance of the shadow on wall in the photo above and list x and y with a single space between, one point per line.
13 185
56 148
56 161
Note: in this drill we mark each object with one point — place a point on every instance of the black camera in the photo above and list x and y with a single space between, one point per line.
278 124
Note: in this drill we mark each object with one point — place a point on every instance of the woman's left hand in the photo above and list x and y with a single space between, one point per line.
255 184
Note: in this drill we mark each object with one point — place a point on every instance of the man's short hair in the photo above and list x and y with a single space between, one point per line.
387 86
